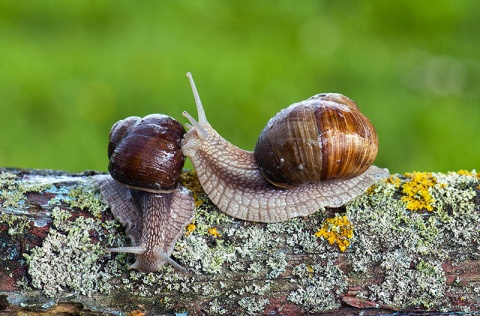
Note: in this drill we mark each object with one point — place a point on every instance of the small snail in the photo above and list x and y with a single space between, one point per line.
145 162
331 144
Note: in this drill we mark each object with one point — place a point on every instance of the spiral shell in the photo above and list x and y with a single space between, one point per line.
323 137
145 153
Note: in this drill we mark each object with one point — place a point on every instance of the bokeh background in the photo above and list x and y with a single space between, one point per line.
70 69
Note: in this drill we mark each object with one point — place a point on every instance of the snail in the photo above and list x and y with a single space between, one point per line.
145 163
316 153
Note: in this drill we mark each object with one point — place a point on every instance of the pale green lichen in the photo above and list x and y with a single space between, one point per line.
197 254
86 197
252 305
216 308
13 192
402 286
69 260
16 223
410 247
406 245
318 286
277 264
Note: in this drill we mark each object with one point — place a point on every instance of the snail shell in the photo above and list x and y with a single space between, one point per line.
145 152
323 137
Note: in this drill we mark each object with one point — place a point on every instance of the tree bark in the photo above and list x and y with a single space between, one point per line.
409 244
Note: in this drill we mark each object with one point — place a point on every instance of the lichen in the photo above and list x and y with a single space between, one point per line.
235 265
417 191
337 230
72 257
189 179
86 198
69 260
196 253
190 228
318 287
214 232
410 243
16 223
13 191
404 286
252 305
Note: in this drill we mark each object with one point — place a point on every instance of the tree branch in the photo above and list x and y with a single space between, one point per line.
409 244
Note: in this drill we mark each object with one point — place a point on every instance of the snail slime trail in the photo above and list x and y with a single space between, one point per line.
316 153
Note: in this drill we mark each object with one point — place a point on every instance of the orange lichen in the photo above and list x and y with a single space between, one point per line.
393 179
214 232
465 173
189 180
190 228
416 192
337 230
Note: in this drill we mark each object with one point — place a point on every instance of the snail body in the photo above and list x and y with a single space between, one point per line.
234 179
145 162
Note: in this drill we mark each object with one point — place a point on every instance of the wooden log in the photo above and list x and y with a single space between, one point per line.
409 244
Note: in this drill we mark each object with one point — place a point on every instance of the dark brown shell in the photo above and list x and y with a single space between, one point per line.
323 137
145 153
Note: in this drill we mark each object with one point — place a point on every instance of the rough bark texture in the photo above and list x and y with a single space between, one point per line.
410 244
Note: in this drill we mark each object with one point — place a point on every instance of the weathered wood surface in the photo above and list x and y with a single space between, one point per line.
411 245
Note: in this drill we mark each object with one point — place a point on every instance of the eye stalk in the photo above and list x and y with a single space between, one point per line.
202 118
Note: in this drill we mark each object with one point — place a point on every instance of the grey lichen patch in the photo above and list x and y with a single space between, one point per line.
16 223
224 267
421 285
69 260
318 286
239 266
410 246
72 256
86 197
216 308
12 191
200 257
252 305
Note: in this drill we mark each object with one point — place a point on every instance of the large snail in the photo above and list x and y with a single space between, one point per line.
316 153
145 162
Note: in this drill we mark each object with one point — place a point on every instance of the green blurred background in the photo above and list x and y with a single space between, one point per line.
70 69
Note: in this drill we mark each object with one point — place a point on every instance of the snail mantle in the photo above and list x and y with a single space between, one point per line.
420 228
